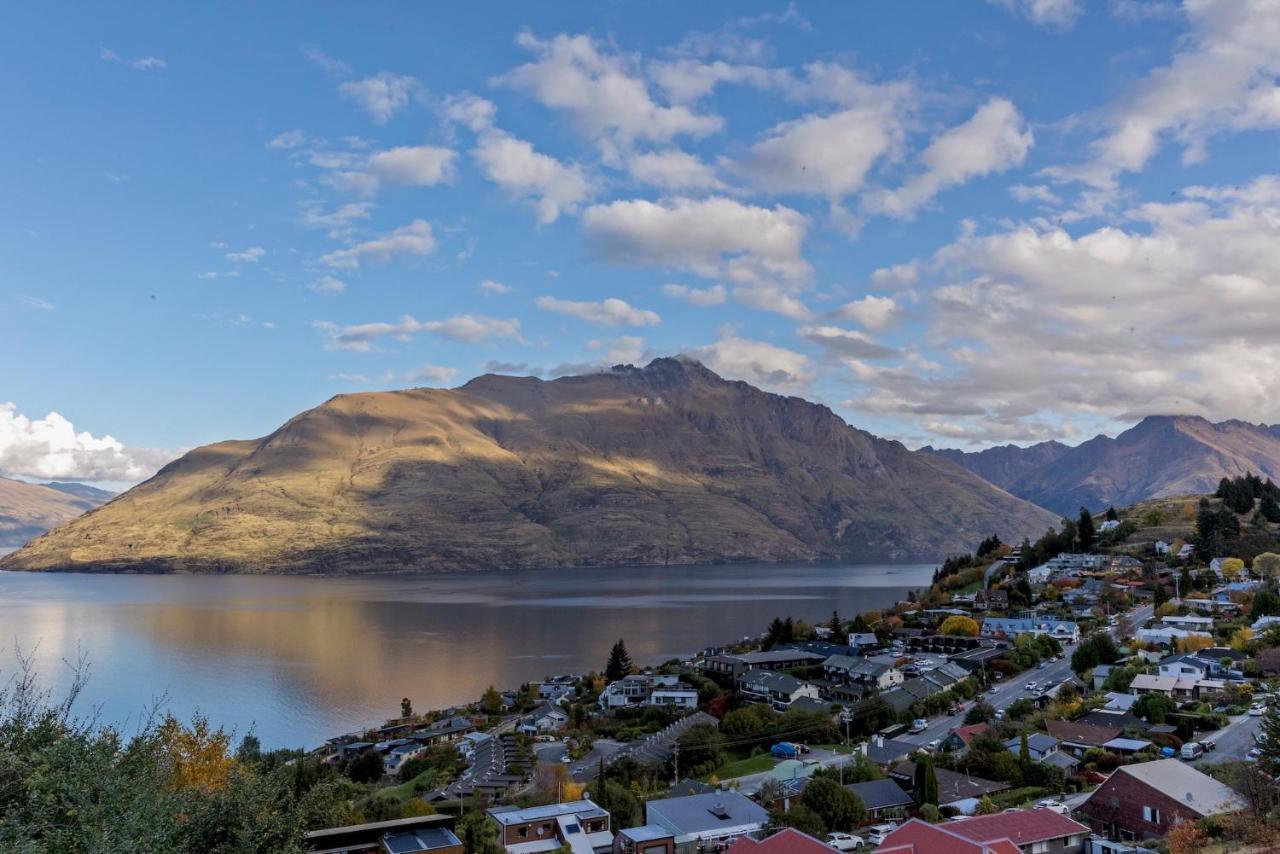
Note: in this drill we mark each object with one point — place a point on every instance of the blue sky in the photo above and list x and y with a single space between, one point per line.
955 223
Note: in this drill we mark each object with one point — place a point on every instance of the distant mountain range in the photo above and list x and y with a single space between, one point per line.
30 509
1161 455
666 464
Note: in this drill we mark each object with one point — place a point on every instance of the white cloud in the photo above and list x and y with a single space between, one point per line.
715 237
828 155
489 286
337 222
1053 14
1221 80
141 63
467 328
514 165
604 93
993 140
1034 193
413 166
36 303
470 111
609 312
701 297
1167 311
624 350
252 255
328 285
414 239
327 63
759 363
845 343
50 447
432 375
673 170
872 312
382 95
288 139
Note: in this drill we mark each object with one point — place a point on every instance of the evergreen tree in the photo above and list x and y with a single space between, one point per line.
619 662
925 782
1086 534
1024 750
1112 515
835 625
1270 507
406 708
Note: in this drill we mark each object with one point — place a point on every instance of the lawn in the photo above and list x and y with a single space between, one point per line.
404 791
743 767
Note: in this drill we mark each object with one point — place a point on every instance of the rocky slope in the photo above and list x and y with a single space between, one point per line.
1162 455
30 509
665 464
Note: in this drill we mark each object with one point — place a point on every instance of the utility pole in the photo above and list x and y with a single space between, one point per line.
675 758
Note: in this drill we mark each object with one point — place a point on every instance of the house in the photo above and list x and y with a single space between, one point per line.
733 666
711 817
887 751
1010 627
646 839
862 671
1167 636
675 697
1186 666
1127 746
1162 548
442 731
779 690
863 641
544 718
1264 623
395 758
1040 746
1146 800
1077 738
1119 702
960 791
425 834
1108 525
959 739
1189 622
785 841
1040 831
883 798
580 825
993 600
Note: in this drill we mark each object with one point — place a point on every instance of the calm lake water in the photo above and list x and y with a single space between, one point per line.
300 659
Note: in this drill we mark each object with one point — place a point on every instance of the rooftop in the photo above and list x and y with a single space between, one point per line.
415 841
583 809
1022 828
919 837
880 794
787 841
1184 784
706 812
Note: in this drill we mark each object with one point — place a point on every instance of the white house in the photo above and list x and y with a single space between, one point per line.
679 697
1060 630
1190 622
1263 623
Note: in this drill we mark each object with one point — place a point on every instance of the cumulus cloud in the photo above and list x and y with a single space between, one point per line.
1052 14
838 342
514 165
701 297
382 95
328 285
1223 79
604 93
413 165
872 312
714 237
467 328
759 363
432 375
995 139
470 111
288 139
609 312
624 350
1168 311
673 170
414 239
489 286
51 448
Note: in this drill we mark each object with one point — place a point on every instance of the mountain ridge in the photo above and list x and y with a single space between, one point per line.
1159 456
668 463
30 509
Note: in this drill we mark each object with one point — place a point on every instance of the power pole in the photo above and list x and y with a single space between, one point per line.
675 759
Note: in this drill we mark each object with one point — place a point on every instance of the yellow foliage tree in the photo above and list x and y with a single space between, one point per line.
571 791
1266 564
1241 639
1185 838
1189 511
959 625
1192 643
1231 568
199 756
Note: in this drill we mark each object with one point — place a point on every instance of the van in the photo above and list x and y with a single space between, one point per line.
1192 750
919 725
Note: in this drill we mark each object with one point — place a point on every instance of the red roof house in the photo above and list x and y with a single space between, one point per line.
1023 832
788 841
920 837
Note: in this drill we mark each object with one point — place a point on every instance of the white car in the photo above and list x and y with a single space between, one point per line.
1031 686
844 841
1057 806
1255 753
935 744
994 689
1257 710
878 834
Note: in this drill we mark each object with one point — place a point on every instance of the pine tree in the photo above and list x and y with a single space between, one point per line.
1024 751
835 624
406 708
925 782
1112 515
619 662
1086 534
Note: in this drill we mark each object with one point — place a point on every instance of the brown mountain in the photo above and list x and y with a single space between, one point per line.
663 464
1161 455
30 509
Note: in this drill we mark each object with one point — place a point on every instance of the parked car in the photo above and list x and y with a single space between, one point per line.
1057 806
935 744
994 689
997 676
1192 750
999 714
919 725
1031 686
877 835
1208 745
1255 753
844 841
1257 710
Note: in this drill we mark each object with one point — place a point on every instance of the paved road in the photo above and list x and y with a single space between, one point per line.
1236 739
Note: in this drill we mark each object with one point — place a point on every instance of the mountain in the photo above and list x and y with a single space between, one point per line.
663 464
29 509
1161 455
91 494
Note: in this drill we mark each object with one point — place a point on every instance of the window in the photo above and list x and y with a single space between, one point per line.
1039 848
1151 814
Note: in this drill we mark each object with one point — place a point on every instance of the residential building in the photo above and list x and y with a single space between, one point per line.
646 839
1189 622
544 718
1264 623
863 641
428 834
1077 738
733 666
920 837
678 697
959 791
711 817
576 824
779 690
1040 746
883 799
959 739
442 731
887 751
1038 831
1146 800
786 841
1011 627
862 671
1167 636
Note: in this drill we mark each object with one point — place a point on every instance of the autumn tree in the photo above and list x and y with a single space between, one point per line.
958 624
619 662
1231 568
1266 565
1185 838
200 756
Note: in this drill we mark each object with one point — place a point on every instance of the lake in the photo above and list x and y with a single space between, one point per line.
299 659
